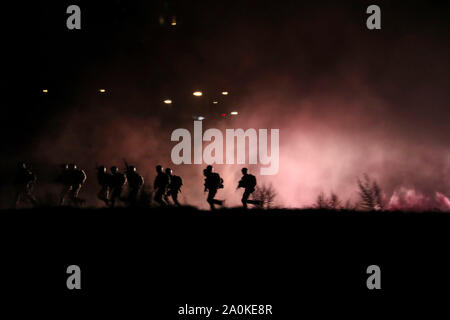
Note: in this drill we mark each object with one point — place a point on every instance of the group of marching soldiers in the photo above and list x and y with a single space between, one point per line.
112 183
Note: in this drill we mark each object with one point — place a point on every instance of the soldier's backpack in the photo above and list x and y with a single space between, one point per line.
176 182
216 180
251 181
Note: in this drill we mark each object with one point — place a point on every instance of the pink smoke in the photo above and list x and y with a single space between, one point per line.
411 200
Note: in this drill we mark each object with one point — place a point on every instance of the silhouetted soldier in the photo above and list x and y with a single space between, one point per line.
118 180
213 182
160 185
135 183
73 179
175 183
24 183
104 180
248 182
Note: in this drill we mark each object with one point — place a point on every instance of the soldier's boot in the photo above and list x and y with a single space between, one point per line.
255 202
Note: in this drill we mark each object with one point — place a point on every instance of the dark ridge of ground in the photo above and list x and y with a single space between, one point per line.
219 211
159 258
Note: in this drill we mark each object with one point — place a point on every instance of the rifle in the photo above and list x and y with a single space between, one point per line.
126 163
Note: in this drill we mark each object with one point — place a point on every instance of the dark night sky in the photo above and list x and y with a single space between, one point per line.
287 64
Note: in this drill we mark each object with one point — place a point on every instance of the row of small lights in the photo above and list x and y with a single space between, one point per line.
99 90
169 101
199 94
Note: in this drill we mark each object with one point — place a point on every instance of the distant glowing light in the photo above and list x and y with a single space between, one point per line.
200 118
234 113
198 93
174 21
168 101
44 90
215 102
225 93
102 90
224 115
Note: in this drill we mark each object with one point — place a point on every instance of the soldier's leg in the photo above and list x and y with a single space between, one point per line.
118 193
166 197
219 202
132 197
255 202
103 194
158 196
17 198
75 190
175 198
64 193
30 196
210 198
114 196
245 198
112 200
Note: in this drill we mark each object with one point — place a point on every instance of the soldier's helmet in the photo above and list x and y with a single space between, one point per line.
209 168
244 170
131 169
158 168
72 166
114 169
168 171
101 169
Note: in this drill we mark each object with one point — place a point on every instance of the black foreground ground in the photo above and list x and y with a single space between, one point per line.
150 261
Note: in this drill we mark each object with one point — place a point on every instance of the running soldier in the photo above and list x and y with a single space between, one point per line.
73 179
118 180
160 185
135 183
24 183
213 182
248 182
104 180
175 183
